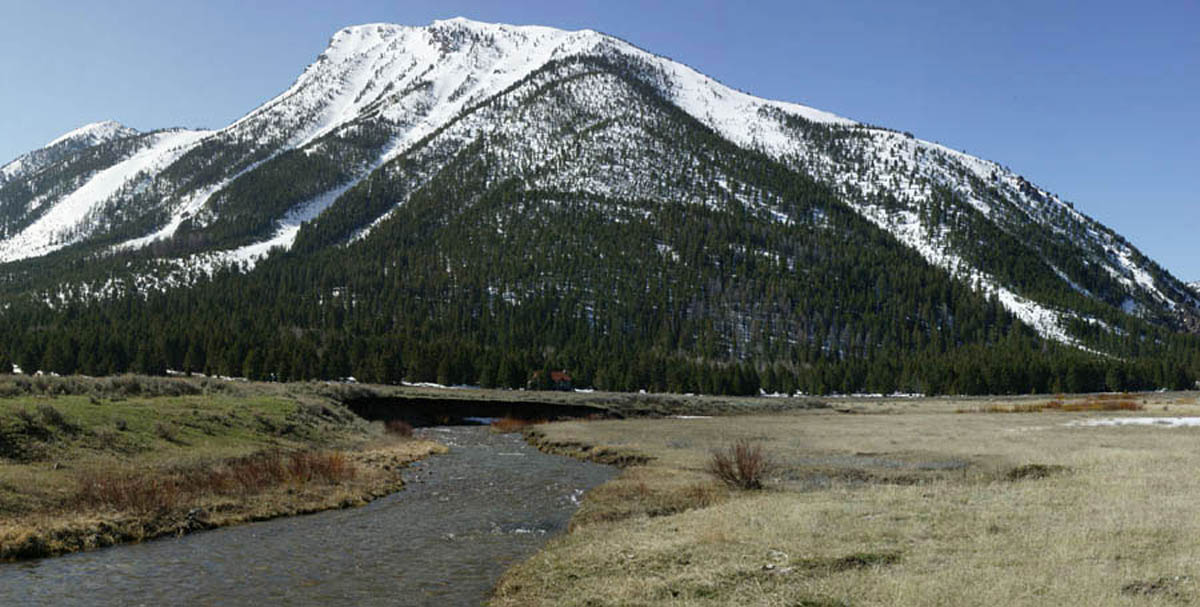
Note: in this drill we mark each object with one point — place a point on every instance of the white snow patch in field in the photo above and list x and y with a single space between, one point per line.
1162 422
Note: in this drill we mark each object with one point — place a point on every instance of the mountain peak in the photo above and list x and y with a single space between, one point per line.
81 138
94 133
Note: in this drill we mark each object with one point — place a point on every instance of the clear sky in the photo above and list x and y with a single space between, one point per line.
1096 101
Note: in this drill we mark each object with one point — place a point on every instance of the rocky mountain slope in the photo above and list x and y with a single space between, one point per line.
468 144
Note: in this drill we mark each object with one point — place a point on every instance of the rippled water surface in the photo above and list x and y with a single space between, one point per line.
462 519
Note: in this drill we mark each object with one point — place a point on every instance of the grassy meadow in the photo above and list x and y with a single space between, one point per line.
93 462
885 502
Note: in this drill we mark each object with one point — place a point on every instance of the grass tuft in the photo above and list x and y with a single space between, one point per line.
1034 472
858 560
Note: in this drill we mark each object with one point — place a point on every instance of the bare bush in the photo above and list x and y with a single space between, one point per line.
398 427
742 465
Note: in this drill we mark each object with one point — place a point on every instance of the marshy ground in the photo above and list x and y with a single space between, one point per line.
886 502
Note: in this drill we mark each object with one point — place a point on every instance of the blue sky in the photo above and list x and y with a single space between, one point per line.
1095 101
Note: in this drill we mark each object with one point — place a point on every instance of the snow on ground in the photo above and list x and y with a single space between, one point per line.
67 222
1161 422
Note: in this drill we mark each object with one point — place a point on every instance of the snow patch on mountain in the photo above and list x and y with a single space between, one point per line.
285 234
734 114
189 207
907 228
67 221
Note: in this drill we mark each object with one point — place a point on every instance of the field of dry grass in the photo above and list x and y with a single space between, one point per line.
886 502
84 465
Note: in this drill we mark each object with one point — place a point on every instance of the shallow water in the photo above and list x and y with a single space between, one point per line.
462 519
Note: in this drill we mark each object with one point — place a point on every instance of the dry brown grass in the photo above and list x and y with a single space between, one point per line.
1100 402
916 507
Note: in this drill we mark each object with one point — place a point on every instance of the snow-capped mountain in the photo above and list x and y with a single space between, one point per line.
386 110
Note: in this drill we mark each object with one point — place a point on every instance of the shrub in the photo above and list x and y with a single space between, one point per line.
508 424
53 417
165 431
742 465
26 417
398 427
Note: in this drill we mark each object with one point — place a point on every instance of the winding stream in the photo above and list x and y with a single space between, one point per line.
462 519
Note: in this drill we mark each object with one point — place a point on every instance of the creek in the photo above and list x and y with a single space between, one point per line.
462 519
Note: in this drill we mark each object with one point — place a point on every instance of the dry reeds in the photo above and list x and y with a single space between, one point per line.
126 490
